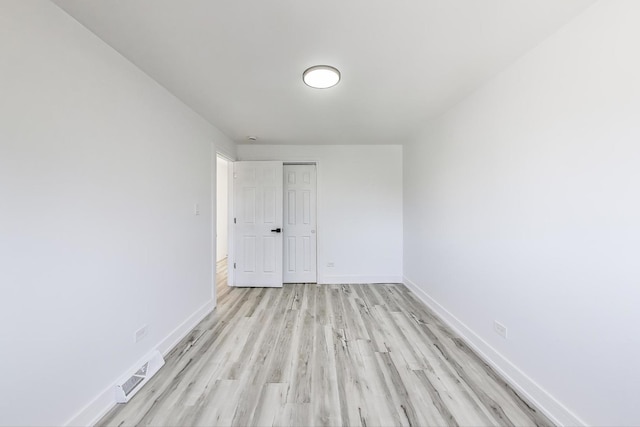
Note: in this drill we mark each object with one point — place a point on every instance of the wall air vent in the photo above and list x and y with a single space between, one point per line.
133 382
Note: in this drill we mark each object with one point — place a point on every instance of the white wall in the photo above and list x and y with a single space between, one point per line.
522 204
99 171
359 207
222 184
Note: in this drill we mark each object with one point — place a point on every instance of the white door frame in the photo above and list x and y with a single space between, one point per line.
214 217
231 249
231 236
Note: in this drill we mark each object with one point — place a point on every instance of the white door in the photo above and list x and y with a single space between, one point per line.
257 188
300 224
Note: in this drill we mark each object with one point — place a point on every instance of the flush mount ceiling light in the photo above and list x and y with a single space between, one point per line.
321 76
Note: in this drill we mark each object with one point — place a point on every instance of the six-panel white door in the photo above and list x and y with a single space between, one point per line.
257 188
299 224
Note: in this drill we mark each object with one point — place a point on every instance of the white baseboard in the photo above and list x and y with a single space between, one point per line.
520 382
354 279
101 404
96 409
167 344
275 285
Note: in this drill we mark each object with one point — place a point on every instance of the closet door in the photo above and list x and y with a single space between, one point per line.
300 224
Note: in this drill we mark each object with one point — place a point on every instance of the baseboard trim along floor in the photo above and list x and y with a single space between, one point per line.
297 307
358 279
548 404
348 354
104 402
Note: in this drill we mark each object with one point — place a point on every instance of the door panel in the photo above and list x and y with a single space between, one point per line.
258 207
300 224
249 249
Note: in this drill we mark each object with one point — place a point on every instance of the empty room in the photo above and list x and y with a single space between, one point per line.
336 213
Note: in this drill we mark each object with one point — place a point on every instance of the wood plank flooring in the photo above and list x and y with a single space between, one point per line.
323 355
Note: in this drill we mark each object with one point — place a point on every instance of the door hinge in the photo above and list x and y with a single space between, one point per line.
234 265
234 220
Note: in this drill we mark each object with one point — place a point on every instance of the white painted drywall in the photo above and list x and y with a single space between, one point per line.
359 207
222 185
522 204
100 168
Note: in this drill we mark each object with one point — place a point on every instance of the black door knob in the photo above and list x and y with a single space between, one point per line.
276 230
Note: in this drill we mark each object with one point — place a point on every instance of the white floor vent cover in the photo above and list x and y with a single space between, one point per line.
129 385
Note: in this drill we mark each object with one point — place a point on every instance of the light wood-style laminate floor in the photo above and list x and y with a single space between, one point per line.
330 355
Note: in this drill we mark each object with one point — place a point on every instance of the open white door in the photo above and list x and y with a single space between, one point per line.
257 188
300 224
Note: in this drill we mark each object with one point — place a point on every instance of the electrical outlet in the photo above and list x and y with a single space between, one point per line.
500 329
330 264
141 333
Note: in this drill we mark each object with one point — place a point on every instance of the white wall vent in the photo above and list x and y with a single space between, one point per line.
133 382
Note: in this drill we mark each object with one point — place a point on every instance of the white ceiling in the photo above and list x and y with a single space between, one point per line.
239 63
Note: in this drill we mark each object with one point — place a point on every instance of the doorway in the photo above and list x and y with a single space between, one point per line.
222 223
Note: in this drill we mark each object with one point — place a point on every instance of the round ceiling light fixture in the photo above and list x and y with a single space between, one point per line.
321 76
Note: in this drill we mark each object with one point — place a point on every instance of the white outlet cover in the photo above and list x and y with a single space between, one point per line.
141 333
500 329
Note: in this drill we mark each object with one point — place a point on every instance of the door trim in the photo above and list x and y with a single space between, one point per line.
214 219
